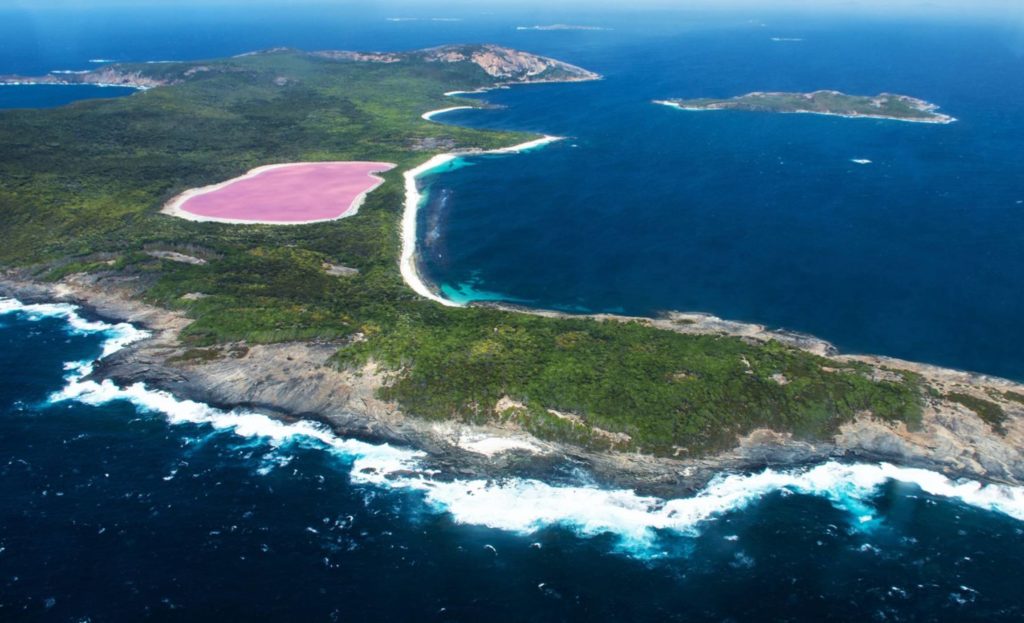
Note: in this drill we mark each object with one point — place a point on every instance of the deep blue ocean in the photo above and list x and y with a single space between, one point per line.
762 217
125 504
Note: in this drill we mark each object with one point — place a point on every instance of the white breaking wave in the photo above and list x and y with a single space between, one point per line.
527 505
118 335
380 460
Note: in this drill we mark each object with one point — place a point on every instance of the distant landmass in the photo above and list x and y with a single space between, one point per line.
105 77
883 106
561 27
504 65
423 19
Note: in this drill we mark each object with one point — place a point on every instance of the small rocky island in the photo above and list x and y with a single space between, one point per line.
835 103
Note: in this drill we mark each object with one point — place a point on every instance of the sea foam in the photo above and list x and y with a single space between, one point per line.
117 335
518 504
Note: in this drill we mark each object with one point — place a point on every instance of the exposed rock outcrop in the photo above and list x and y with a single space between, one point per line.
297 380
108 76
504 64
358 57
510 65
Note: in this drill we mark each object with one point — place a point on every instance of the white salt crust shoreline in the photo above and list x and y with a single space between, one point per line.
413 197
174 206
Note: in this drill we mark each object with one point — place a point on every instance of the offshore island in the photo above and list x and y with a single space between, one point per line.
834 103
326 318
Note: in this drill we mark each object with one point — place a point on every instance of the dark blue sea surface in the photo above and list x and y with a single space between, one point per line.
124 504
52 96
761 217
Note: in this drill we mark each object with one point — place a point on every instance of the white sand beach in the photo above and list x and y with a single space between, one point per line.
413 198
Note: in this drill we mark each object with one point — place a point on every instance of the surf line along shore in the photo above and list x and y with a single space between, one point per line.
413 198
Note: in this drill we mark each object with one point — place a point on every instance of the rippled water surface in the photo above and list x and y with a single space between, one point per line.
123 503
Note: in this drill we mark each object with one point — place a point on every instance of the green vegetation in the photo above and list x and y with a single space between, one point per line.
1014 396
990 412
663 389
885 105
81 188
206 355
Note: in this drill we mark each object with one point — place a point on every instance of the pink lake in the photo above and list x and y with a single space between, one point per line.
301 192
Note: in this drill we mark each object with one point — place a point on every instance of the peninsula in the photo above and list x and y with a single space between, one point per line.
322 320
835 103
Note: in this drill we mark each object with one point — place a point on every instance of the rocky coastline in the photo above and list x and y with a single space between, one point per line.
297 381
503 65
888 106
106 77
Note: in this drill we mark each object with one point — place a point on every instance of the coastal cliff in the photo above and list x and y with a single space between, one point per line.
501 63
